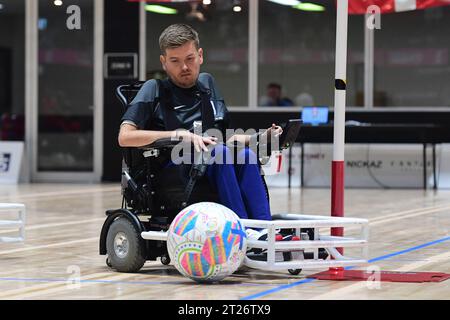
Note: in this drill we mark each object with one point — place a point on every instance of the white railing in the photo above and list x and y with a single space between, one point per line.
293 221
329 243
11 225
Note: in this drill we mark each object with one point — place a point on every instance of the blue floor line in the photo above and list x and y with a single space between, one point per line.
409 250
254 296
384 257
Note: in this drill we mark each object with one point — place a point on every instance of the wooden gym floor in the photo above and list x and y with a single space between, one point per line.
64 222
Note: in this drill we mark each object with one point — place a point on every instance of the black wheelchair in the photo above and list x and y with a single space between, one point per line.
152 195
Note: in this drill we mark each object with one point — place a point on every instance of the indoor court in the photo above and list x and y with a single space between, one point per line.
225 150
408 232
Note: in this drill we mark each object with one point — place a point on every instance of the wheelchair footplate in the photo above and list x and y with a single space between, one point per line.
305 253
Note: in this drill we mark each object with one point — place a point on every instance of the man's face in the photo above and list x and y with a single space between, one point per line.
182 64
274 93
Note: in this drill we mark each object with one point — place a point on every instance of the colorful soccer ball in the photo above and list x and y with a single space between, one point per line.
206 242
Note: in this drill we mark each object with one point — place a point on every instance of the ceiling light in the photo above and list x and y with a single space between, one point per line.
306 6
160 9
206 2
237 6
286 2
58 3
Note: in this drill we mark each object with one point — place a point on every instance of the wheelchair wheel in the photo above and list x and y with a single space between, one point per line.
295 272
123 246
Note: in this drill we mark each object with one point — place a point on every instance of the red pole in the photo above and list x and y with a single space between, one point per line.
337 196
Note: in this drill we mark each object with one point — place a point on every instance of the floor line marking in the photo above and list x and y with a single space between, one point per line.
60 193
10 293
384 257
53 245
400 213
106 281
273 290
360 285
391 218
49 288
55 224
374 223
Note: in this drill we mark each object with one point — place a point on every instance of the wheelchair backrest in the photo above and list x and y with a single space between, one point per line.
126 93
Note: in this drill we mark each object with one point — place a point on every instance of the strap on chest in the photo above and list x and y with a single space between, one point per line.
170 119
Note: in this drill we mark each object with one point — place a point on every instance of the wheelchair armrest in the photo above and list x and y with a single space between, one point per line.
162 143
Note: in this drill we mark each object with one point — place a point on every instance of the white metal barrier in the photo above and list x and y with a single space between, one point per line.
17 224
298 222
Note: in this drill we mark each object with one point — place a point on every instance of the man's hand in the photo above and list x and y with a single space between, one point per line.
247 140
199 142
274 131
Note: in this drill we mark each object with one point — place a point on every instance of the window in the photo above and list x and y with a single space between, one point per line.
66 82
296 51
412 66
12 70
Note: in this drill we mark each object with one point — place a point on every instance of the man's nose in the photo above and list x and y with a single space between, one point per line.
185 67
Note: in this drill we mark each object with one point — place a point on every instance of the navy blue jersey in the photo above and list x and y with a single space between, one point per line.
145 109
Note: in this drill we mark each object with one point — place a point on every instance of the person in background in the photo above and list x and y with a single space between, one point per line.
274 98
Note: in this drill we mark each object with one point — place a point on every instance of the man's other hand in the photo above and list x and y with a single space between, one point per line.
199 142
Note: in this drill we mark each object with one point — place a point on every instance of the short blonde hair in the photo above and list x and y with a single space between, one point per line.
176 35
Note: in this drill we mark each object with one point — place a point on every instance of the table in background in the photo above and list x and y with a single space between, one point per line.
420 133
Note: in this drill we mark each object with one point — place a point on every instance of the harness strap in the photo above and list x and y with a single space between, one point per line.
171 123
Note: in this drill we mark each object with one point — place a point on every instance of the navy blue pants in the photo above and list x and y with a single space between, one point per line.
240 185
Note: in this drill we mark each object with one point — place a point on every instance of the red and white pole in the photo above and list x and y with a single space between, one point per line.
337 169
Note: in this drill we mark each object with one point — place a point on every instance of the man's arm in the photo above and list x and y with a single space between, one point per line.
130 136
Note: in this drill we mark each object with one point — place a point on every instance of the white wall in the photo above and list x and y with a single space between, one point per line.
367 165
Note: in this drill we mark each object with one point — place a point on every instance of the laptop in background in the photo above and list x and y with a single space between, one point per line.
315 115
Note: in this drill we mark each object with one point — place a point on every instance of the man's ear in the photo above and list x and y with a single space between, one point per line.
163 61
200 54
